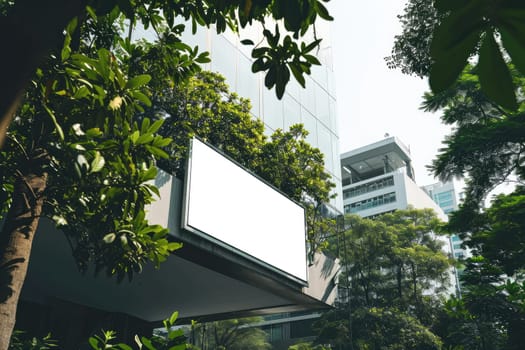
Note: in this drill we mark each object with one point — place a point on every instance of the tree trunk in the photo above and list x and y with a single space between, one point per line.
16 239
399 277
27 34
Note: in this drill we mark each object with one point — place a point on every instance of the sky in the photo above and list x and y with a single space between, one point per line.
372 99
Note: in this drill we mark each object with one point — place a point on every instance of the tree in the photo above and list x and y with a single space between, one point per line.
390 329
440 36
394 259
486 143
114 158
492 307
86 107
395 271
277 57
486 147
89 175
411 49
285 159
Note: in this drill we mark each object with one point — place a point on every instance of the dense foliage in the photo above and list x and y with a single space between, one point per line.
440 36
479 44
283 52
395 275
204 107
84 142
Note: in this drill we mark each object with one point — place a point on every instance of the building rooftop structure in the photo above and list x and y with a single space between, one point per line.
379 178
375 159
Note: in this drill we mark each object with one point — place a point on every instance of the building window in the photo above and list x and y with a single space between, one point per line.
274 331
444 199
371 202
368 187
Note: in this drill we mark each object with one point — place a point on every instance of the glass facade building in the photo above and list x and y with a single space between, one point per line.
314 106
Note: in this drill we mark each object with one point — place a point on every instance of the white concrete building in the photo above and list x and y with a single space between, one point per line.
378 178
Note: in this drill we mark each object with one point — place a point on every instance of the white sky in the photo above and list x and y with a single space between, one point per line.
372 99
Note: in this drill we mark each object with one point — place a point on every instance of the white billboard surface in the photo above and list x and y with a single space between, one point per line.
227 203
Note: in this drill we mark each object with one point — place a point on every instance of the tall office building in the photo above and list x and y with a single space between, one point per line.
445 195
314 106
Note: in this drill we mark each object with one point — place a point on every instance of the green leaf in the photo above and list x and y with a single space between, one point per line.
145 125
98 163
137 81
78 147
93 342
149 174
124 346
174 246
312 59
494 75
203 58
259 65
181 46
269 80
157 152
137 341
283 77
141 97
82 92
454 41
260 52
72 25
323 12
247 42
174 317
93 132
144 138
58 128
514 44
146 342
310 46
298 74
446 69
66 50
161 141
156 126
135 136
153 189
109 238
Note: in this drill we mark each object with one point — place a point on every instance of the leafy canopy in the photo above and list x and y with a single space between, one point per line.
100 161
440 36
395 274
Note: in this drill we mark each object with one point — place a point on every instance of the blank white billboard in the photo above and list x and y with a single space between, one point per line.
225 202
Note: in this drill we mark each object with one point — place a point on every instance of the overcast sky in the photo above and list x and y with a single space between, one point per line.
372 99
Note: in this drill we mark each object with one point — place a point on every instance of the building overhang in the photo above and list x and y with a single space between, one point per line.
205 279
199 283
